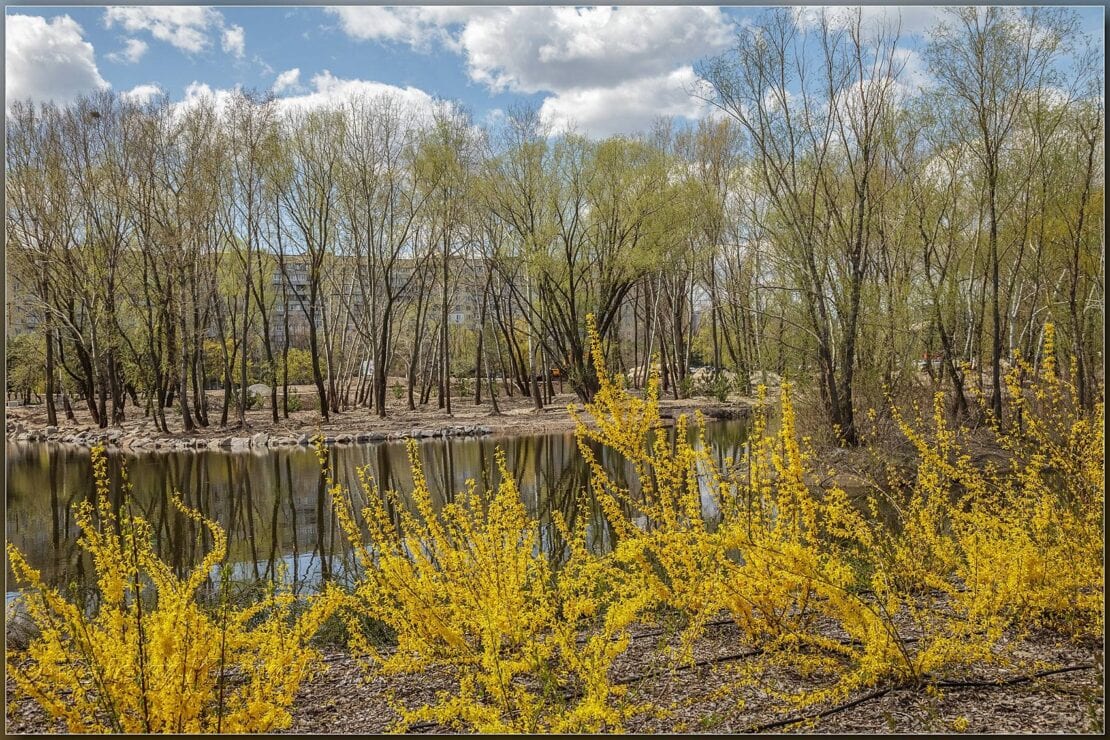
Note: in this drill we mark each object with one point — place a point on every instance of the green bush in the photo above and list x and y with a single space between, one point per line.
300 367
294 401
717 387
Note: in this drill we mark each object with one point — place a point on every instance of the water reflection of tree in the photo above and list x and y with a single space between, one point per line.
293 519
233 489
323 504
561 486
275 536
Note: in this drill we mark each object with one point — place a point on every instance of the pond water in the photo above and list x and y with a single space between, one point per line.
274 506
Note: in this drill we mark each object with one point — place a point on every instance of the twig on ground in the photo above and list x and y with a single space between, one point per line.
878 693
875 694
980 683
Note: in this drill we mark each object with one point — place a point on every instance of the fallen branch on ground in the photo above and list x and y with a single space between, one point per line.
878 693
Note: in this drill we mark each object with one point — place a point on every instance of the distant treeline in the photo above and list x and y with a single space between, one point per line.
840 218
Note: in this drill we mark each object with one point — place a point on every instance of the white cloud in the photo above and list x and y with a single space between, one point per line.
288 79
777 100
48 60
583 56
234 40
914 73
329 90
184 26
625 108
131 53
415 26
196 92
535 48
563 48
494 117
142 94
188 27
913 20
266 69
375 23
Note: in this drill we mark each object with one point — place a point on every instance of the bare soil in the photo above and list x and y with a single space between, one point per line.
707 695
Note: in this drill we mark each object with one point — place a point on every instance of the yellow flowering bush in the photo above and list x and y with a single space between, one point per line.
468 589
1016 543
819 579
779 560
150 658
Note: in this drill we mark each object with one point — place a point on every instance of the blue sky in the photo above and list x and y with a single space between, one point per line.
605 70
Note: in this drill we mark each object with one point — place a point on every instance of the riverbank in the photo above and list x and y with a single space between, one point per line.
359 426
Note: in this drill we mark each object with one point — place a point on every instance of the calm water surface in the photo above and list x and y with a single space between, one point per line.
273 503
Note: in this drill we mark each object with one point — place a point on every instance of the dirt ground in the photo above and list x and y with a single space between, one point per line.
517 416
707 696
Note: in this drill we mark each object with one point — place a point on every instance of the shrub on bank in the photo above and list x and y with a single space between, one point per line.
469 589
150 657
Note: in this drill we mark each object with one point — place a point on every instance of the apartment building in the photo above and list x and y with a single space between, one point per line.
344 288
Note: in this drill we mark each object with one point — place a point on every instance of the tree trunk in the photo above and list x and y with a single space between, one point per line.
314 348
51 411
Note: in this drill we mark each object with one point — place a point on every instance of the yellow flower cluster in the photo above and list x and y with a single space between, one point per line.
1048 363
781 560
467 588
150 658
1015 544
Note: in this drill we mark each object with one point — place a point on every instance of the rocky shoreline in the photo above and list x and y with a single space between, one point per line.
117 438
141 437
